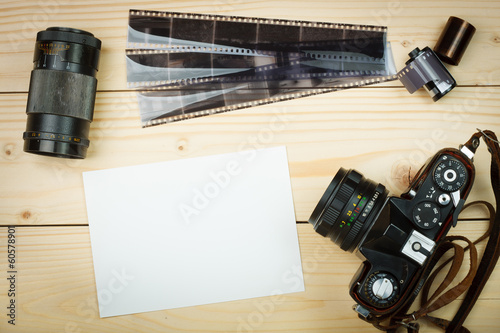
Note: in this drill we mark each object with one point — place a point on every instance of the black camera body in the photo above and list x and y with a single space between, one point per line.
395 236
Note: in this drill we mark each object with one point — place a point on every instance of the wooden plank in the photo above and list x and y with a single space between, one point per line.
381 131
358 128
55 291
411 24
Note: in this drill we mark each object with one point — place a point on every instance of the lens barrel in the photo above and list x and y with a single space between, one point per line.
348 208
62 93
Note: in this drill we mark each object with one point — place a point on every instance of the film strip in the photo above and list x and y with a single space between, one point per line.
191 65
159 106
152 67
155 29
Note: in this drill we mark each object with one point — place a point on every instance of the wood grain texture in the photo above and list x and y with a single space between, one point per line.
360 128
411 24
381 131
56 292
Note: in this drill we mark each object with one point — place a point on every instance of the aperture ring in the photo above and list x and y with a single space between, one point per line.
355 223
56 137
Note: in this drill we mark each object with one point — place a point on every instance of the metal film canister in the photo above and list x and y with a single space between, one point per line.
424 69
453 41
62 93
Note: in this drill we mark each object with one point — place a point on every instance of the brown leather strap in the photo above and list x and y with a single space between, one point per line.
427 304
474 282
461 287
434 303
492 251
443 323
430 280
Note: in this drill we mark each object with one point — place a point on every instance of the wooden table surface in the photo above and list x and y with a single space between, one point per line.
382 131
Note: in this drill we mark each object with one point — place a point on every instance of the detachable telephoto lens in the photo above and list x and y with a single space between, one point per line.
62 93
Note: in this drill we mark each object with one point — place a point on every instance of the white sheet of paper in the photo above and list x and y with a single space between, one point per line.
193 231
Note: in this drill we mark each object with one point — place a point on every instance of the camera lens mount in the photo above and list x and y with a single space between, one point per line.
346 210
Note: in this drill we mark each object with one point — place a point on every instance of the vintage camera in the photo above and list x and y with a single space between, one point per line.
395 236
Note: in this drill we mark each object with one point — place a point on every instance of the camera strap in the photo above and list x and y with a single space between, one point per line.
492 250
478 274
433 303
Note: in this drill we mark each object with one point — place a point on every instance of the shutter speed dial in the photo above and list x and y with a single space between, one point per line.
426 214
382 289
450 175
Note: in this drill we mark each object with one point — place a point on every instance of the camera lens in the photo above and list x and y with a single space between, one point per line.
62 92
348 208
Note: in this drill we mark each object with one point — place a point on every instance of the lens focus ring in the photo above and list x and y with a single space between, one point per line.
346 210
62 93
337 202
340 200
